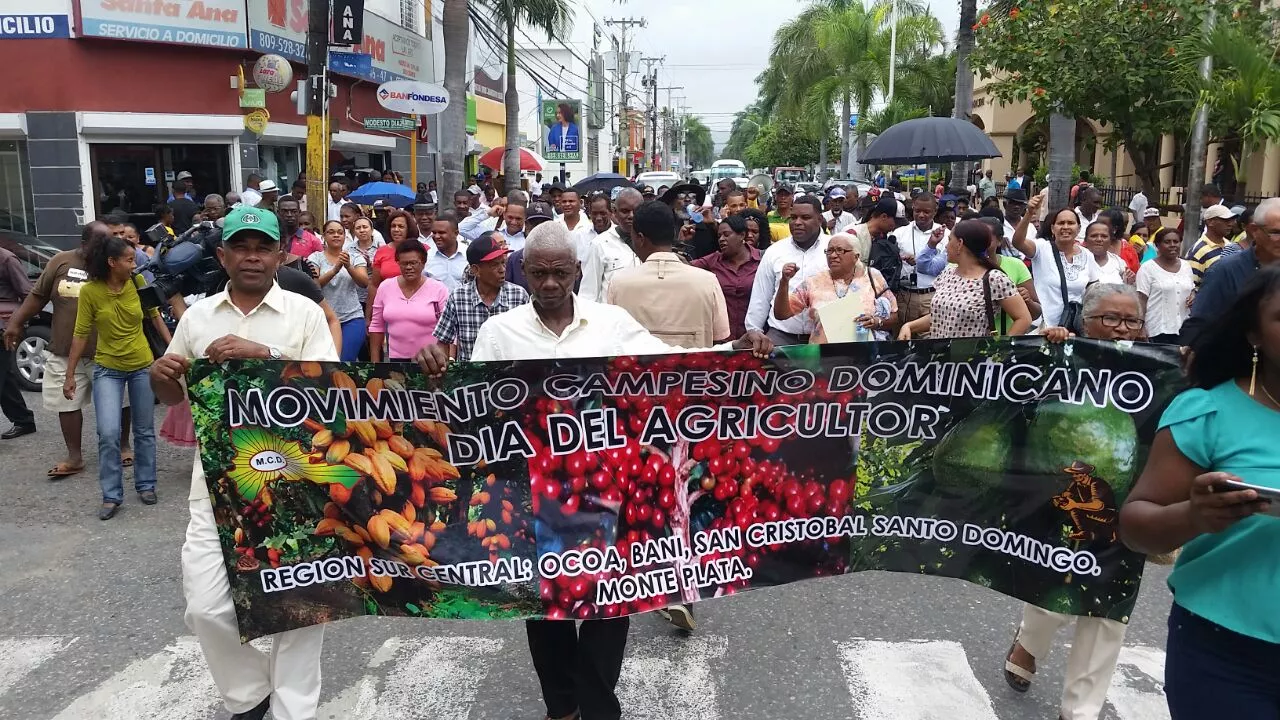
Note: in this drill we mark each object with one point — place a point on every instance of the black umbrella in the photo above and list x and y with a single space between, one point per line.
929 140
601 182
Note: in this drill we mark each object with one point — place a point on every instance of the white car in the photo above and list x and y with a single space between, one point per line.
658 178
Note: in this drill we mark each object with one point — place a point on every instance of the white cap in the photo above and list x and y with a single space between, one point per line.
267 186
1218 212
1151 212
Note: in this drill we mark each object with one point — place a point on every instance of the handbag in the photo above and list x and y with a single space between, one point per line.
986 303
155 341
1072 312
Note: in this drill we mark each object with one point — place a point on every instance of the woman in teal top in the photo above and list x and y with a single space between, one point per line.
1223 651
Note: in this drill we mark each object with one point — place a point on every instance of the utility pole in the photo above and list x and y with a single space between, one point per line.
317 100
596 100
651 81
666 143
624 66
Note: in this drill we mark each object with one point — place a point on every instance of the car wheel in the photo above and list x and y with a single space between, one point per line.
28 358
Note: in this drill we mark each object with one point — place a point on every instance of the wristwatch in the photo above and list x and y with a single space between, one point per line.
274 352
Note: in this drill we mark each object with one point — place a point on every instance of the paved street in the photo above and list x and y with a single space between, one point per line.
93 631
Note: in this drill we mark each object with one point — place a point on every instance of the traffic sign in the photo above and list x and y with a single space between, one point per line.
350 62
396 123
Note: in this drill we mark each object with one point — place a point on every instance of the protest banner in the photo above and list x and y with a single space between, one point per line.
599 488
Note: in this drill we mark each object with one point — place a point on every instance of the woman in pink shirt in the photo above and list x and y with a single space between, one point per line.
406 308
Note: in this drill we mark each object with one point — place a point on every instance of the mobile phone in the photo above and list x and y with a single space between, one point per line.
1269 494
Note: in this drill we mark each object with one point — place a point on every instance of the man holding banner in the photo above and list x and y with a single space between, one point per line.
578 668
252 318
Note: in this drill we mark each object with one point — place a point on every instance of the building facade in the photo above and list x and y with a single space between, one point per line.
121 97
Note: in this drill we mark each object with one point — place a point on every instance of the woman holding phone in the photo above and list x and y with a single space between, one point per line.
1223 646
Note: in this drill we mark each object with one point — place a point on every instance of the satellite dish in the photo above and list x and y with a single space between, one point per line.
761 182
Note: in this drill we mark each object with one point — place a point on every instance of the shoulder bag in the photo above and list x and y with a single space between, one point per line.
1072 312
986 303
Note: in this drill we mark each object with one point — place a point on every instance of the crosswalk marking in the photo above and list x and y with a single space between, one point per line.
19 656
913 681
173 684
437 677
670 677
1138 670
442 677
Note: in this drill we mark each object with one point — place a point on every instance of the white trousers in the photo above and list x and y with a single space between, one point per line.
245 676
1092 661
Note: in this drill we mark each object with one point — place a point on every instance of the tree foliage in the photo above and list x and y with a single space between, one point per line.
785 143
746 126
1114 62
1242 94
700 147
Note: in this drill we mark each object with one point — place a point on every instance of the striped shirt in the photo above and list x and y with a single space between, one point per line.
1203 255
465 312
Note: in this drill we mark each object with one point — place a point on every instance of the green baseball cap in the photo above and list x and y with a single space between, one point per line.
243 218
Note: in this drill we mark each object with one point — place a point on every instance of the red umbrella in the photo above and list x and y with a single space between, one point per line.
530 161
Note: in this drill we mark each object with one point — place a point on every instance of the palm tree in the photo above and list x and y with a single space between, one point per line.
1242 95
453 120
964 77
699 147
552 17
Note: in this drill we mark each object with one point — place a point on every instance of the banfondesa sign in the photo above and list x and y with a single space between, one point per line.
413 98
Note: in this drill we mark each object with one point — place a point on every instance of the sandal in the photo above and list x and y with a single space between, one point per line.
64 469
1018 677
126 458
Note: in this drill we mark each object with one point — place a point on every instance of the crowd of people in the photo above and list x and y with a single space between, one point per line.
568 274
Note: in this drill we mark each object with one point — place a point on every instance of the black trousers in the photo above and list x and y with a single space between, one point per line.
578 668
11 401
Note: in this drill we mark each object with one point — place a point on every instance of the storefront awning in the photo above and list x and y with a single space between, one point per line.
13 124
161 124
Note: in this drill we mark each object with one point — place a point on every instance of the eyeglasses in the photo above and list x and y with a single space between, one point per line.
1115 321
838 251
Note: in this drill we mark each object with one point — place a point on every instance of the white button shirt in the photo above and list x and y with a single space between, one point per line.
449 270
607 253
597 330
284 320
911 239
769 274
334 209
837 225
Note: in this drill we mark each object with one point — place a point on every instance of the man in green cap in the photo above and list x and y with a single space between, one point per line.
252 318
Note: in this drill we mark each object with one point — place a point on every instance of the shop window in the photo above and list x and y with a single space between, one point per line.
136 178
15 189
280 163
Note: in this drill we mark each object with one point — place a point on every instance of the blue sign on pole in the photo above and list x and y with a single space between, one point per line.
350 62
853 121
29 27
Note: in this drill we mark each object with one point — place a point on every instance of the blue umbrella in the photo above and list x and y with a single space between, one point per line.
392 194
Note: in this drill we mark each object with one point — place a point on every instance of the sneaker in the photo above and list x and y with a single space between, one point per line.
148 497
108 511
681 616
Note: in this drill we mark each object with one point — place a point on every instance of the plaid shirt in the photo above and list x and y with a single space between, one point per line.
465 312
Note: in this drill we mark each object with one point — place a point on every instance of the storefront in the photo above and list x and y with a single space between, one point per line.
17 213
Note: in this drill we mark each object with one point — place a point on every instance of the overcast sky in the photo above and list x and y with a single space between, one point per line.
713 48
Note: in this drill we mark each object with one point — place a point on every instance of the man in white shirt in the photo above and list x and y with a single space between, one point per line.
600 217
250 195
919 244
611 251
837 219
806 247
1087 212
535 186
252 318
511 211
578 668
1137 206
1015 206
337 198
446 252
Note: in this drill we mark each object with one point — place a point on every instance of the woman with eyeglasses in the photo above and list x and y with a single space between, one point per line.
876 309
1111 312
407 307
969 295
1165 285
1223 646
